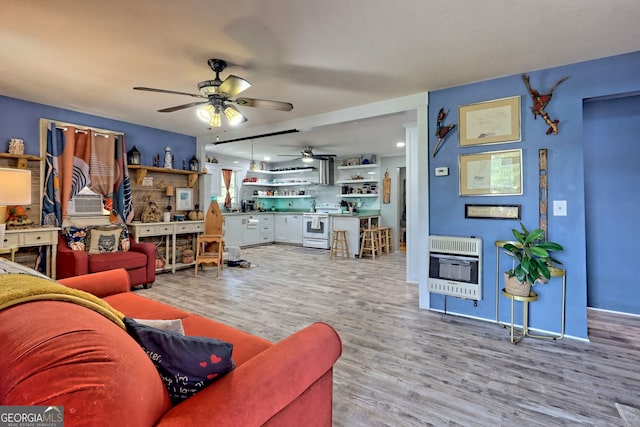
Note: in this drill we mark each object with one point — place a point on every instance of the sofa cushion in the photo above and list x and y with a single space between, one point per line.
112 260
186 364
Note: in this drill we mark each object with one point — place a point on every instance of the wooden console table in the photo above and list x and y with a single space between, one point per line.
37 236
170 231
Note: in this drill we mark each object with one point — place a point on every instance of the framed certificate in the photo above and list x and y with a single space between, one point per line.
489 122
492 173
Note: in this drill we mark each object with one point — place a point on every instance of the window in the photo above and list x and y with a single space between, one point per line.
233 189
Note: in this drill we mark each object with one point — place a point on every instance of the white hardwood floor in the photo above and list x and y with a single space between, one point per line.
403 366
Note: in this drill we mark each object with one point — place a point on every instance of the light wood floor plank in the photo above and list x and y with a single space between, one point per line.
403 366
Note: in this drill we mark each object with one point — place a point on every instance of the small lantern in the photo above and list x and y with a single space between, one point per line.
194 165
133 156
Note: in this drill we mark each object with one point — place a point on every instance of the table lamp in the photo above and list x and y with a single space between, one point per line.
15 189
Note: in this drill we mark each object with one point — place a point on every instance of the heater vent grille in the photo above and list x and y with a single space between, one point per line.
455 266
455 245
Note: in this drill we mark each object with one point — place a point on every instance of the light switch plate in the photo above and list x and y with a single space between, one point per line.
442 171
559 208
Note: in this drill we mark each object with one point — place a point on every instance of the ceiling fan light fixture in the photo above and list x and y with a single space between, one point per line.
234 116
205 112
216 119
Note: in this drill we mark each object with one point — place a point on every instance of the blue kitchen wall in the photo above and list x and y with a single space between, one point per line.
602 77
611 153
20 119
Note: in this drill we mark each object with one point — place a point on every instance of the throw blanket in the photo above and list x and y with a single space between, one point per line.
19 288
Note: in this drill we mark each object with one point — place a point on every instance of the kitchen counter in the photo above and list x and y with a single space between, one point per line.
360 214
281 212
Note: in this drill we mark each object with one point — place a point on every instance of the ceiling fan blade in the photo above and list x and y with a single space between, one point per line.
150 89
322 156
263 103
181 107
233 85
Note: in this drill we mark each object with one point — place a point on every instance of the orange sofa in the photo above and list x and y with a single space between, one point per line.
60 353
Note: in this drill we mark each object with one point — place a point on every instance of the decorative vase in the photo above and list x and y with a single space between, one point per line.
513 286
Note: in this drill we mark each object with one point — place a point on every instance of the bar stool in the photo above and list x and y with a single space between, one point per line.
370 242
339 246
384 234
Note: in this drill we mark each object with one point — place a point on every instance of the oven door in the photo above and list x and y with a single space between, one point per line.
315 226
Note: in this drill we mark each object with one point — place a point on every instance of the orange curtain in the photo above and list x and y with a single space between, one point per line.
226 177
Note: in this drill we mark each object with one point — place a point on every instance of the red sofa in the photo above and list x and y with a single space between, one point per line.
139 261
60 353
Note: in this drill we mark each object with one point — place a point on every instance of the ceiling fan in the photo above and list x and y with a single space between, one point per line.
308 156
218 95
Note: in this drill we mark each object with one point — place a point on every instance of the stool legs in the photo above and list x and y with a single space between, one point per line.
370 242
339 244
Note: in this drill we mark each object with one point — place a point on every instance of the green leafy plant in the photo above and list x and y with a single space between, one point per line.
531 254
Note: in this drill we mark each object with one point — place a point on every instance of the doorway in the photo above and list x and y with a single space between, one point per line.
612 199
402 209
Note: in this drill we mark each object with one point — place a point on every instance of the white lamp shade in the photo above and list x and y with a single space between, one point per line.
15 187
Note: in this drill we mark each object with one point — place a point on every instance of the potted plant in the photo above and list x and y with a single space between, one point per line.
532 260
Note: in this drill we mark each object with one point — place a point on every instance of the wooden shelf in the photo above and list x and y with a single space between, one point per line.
279 184
141 172
21 158
357 181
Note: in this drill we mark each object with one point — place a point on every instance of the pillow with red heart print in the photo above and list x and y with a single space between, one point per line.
186 364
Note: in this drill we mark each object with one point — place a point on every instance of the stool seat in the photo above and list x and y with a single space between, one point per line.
339 245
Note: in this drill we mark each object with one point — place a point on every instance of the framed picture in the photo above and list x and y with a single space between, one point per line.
493 211
489 122
493 173
184 199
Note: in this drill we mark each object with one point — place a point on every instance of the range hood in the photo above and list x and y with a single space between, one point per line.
325 171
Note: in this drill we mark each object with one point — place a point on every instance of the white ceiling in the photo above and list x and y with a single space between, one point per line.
322 56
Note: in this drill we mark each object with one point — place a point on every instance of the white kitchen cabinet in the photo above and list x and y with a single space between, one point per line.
233 230
288 228
251 230
267 228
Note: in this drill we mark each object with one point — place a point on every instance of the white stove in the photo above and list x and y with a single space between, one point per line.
316 229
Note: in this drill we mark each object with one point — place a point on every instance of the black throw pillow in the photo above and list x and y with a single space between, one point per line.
186 364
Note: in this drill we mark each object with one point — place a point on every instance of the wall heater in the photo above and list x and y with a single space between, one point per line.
455 266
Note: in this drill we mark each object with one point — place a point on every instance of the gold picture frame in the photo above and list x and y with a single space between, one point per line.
489 122
491 173
493 211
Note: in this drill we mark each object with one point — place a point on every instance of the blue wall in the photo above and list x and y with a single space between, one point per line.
607 76
20 119
611 153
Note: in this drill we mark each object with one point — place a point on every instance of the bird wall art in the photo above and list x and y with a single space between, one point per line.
540 102
441 130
